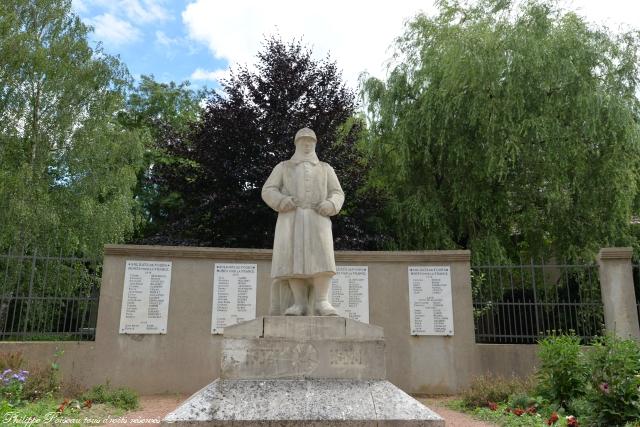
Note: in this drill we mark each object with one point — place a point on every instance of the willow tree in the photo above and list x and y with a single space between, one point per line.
510 130
67 167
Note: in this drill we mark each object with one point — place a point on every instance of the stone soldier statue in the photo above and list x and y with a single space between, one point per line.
305 192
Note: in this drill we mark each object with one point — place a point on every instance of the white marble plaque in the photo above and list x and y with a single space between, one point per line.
234 295
430 302
349 292
145 297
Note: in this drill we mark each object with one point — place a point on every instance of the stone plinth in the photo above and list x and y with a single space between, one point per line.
302 371
303 347
314 402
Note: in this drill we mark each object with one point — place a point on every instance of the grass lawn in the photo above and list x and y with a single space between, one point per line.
44 412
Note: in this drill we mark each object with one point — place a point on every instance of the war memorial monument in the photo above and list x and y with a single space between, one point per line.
302 365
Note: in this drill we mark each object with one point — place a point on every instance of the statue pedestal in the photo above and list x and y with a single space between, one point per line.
301 371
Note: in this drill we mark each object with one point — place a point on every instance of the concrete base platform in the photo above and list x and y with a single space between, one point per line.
306 402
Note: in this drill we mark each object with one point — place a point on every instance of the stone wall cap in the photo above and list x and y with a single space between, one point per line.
615 253
243 254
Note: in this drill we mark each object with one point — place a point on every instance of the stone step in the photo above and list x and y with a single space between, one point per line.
294 403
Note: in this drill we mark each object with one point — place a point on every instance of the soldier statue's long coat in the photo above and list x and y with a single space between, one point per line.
303 242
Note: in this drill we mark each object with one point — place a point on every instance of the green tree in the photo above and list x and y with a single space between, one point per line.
167 112
67 166
245 130
508 130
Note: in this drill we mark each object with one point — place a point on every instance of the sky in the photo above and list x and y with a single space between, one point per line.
198 40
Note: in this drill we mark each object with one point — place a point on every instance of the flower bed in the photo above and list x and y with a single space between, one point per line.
598 387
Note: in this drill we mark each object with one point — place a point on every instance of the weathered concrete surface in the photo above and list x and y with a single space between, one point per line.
281 358
618 294
508 360
318 327
331 327
302 403
303 347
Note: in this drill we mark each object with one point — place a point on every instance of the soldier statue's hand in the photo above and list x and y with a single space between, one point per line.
287 205
325 208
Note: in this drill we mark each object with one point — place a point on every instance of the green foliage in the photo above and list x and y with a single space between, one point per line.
40 381
167 112
562 375
525 401
503 415
507 129
122 397
490 388
67 167
211 189
44 412
614 395
11 386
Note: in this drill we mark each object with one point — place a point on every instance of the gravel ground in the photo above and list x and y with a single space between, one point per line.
154 408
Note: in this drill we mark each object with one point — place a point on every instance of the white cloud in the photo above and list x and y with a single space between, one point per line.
355 33
145 11
79 6
612 13
114 31
216 75
138 11
164 40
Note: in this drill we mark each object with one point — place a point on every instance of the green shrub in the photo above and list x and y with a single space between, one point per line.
563 374
524 401
490 388
42 381
614 394
17 384
11 386
122 397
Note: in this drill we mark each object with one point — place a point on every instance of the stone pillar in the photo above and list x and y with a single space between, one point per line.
618 295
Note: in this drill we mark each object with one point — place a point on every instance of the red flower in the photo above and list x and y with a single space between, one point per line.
492 405
531 410
552 420
572 421
518 411
604 387
63 405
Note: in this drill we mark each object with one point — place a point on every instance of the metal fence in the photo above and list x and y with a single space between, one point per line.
519 304
45 295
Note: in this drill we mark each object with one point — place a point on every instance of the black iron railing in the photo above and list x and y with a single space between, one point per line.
519 304
47 296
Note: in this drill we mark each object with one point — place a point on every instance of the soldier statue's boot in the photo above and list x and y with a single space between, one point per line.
300 298
296 310
324 308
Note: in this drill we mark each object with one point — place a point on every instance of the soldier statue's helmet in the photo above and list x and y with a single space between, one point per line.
305 133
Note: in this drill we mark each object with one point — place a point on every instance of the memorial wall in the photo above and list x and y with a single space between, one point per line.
147 285
163 311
